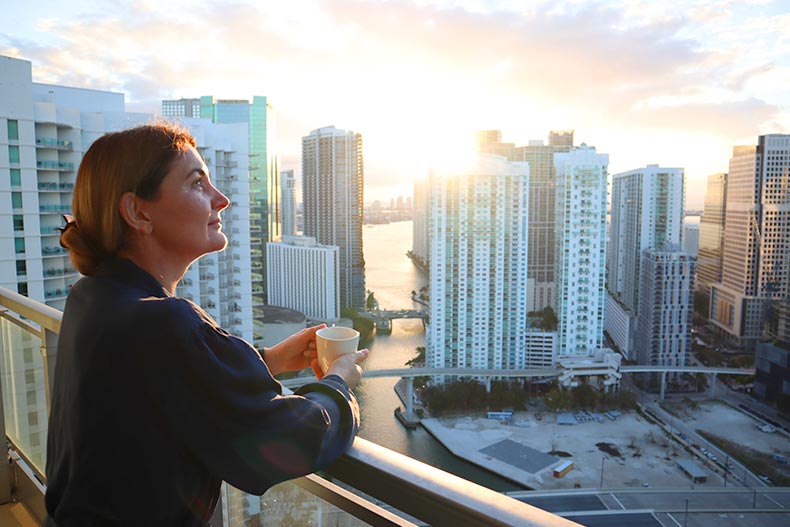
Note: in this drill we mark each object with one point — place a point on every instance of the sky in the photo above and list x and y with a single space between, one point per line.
671 83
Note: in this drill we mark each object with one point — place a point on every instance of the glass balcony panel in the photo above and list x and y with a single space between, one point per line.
24 392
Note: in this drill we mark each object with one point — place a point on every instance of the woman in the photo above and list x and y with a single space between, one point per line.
153 404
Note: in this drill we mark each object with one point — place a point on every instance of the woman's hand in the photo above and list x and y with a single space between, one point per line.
345 366
295 353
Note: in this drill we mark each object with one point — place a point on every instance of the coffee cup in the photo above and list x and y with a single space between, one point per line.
333 342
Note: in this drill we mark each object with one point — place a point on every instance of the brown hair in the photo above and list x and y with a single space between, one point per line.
134 160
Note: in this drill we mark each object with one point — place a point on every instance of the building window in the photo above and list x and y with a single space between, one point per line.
21 288
16 177
16 200
21 268
13 154
19 223
19 245
13 130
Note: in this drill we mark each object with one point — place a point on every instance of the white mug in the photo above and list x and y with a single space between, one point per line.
333 342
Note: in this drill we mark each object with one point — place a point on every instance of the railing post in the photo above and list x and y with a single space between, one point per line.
663 385
49 350
5 467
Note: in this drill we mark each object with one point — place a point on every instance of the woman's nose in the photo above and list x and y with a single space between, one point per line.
220 200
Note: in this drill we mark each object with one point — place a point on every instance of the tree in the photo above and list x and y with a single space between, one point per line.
585 396
370 302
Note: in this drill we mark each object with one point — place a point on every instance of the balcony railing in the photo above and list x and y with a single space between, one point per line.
419 491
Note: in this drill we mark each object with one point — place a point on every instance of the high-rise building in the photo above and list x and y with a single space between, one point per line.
540 156
542 196
332 185
580 250
264 177
666 300
304 276
288 186
646 213
478 265
711 234
755 266
691 239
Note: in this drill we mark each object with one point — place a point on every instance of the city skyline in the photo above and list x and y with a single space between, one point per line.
671 85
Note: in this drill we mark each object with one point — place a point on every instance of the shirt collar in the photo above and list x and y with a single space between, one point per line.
128 272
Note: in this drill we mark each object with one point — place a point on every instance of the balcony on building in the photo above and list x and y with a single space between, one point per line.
370 483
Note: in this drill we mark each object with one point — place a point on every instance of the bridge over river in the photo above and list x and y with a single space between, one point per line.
383 317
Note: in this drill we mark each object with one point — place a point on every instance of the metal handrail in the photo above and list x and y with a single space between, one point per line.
419 490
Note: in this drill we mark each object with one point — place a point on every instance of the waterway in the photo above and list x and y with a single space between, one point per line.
392 276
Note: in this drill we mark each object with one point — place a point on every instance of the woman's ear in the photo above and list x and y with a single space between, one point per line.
132 209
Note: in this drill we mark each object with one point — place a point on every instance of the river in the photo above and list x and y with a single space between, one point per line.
392 276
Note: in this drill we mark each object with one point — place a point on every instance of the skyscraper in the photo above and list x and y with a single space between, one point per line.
757 225
542 195
478 265
264 176
646 213
580 250
711 234
332 186
666 300
288 186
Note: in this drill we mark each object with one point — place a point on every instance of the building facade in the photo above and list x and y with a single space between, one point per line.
304 276
646 213
288 186
478 266
711 234
420 233
332 192
757 226
690 244
542 196
580 250
666 300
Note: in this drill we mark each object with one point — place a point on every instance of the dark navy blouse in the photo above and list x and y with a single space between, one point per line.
153 405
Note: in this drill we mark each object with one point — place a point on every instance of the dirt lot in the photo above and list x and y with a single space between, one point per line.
646 455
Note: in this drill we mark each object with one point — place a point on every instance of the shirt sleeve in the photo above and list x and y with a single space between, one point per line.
220 399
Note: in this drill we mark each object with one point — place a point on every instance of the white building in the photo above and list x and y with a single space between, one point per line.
646 213
580 250
666 301
332 188
691 239
757 227
288 186
478 265
304 276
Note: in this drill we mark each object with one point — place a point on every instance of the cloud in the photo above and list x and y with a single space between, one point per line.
729 119
403 73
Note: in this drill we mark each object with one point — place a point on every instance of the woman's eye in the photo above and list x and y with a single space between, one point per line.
199 182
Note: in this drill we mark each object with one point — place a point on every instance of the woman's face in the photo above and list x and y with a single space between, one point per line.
185 212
